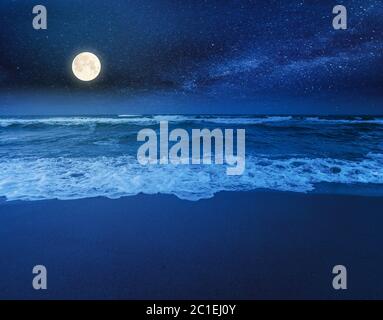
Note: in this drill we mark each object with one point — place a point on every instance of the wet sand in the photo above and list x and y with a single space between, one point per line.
237 245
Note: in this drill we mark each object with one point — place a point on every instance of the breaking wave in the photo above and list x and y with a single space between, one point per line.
115 177
154 119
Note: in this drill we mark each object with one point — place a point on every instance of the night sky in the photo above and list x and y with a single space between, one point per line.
196 56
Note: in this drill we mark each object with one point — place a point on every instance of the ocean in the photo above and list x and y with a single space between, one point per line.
77 157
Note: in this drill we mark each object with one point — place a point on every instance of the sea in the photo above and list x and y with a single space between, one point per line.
96 156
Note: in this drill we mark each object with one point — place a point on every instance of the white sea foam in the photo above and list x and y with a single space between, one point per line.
131 119
114 177
72 121
80 121
246 120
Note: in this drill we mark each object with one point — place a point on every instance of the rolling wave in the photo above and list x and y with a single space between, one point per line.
345 121
154 119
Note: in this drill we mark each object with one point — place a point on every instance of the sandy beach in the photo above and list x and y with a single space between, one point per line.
250 245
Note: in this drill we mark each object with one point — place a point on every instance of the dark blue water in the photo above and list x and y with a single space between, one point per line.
81 157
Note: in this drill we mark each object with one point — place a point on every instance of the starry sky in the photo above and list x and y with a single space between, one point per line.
192 56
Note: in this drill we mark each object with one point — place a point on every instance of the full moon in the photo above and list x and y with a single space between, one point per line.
86 66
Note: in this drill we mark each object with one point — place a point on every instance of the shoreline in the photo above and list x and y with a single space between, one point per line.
362 190
236 245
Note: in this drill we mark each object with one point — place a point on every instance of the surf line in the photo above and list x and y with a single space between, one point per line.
200 147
